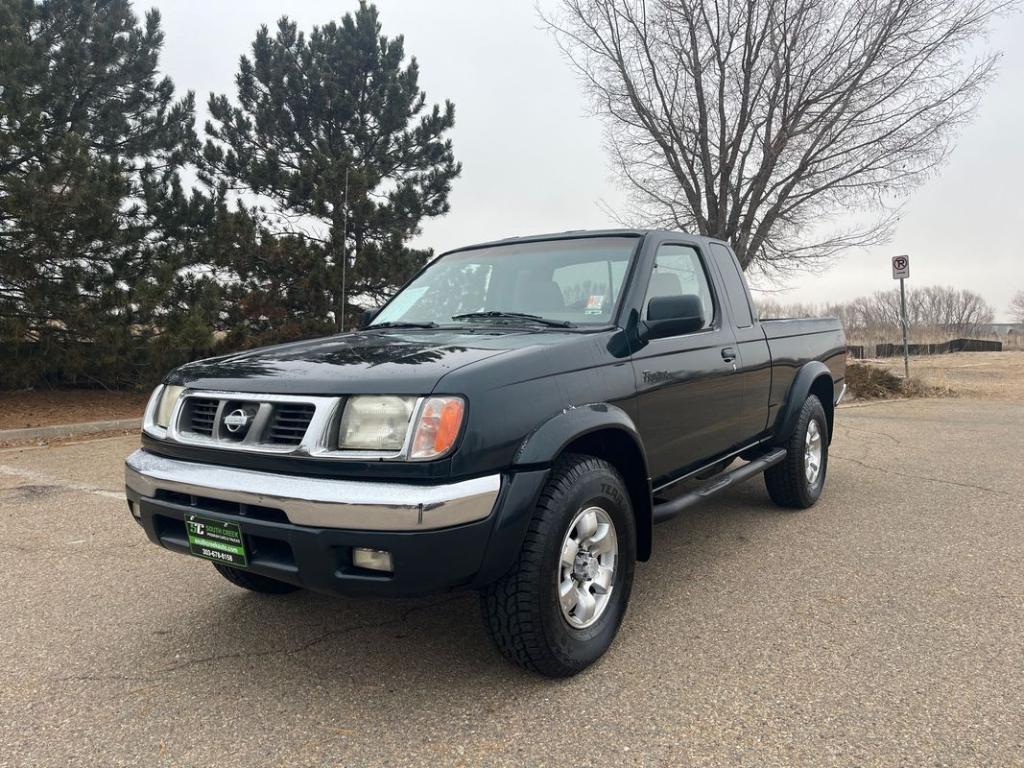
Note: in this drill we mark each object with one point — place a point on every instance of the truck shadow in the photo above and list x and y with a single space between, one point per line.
438 647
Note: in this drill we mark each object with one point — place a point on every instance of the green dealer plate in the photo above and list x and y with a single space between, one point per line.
216 540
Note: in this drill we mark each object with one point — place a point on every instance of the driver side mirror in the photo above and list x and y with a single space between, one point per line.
673 316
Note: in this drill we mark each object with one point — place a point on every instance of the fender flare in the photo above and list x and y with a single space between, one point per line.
546 442
542 446
803 382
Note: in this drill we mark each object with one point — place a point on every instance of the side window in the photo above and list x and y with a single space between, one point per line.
730 270
678 271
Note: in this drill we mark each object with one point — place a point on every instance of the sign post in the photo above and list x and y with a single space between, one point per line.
901 271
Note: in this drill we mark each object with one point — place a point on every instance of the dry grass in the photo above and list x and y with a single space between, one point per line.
867 381
984 375
871 382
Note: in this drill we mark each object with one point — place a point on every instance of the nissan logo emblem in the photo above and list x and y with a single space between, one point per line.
236 421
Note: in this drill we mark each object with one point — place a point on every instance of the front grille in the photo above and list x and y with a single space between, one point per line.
202 415
273 423
289 423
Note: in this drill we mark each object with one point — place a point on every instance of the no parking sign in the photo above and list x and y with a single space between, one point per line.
900 267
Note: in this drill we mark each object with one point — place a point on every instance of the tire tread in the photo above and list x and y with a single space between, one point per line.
510 611
785 481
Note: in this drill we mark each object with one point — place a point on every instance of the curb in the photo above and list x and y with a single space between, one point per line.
67 430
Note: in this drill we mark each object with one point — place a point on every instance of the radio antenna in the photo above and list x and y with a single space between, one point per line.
344 257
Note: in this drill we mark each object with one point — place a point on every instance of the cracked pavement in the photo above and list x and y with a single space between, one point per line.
884 627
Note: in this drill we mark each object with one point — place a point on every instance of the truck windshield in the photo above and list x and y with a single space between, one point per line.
564 282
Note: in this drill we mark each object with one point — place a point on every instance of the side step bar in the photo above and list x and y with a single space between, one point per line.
669 509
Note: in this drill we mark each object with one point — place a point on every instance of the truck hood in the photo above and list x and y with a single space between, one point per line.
391 361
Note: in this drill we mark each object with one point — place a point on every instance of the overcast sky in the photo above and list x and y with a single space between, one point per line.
532 154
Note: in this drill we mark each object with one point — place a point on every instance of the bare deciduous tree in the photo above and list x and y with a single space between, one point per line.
933 312
956 310
760 121
1017 307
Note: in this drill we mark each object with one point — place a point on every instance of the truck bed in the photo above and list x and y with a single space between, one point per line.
792 343
781 328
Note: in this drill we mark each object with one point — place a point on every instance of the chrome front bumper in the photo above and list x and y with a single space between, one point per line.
320 502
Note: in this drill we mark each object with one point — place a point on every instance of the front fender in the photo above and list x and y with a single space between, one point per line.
549 440
605 431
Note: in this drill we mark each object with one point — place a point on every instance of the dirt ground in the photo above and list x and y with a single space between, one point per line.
43 408
984 375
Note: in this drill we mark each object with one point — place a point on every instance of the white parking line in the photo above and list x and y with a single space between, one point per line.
39 477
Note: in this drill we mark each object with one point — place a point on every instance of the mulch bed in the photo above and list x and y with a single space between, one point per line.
53 407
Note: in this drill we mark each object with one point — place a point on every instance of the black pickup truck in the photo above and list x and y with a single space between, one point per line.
515 421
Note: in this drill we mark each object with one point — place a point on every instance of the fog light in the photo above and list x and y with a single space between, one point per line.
373 559
134 508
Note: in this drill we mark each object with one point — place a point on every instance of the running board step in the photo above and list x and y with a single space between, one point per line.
669 509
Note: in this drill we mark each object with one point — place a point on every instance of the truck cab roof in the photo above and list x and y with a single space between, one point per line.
588 233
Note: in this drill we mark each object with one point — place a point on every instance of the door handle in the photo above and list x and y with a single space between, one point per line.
728 354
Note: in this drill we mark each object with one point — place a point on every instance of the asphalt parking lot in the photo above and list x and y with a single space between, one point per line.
884 627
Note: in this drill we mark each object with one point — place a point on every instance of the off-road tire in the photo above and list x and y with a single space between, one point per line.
254 582
522 609
787 482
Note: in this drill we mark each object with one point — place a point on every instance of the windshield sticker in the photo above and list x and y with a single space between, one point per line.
402 303
595 305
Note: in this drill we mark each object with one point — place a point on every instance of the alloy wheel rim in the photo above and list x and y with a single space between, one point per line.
812 452
586 568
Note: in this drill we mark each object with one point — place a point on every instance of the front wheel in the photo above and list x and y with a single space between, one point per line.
559 608
797 482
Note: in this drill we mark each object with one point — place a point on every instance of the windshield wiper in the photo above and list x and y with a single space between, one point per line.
399 324
514 316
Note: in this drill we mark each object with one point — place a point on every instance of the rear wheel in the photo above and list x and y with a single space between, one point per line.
559 608
797 482
254 582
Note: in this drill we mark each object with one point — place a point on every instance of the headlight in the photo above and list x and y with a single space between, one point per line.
166 398
373 423
383 424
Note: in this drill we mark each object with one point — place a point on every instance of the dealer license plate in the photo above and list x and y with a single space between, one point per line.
216 540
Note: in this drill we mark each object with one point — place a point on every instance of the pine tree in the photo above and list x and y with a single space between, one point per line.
92 215
316 115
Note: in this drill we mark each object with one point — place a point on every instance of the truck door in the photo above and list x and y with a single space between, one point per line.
754 362
688 395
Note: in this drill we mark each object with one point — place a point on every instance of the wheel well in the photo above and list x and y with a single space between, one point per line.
620 450
824 389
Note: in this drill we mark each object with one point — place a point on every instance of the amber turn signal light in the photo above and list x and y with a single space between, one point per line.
438 428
